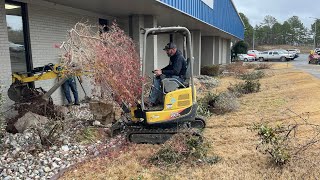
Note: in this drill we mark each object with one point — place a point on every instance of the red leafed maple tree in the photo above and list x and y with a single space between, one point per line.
109 58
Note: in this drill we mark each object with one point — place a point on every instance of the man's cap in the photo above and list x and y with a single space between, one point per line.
170 45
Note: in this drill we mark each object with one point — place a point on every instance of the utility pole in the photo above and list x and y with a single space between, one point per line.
253 40
315 32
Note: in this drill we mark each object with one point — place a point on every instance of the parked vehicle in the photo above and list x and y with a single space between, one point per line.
245 57
253 53
16 47
314 58
297 51
281 55
294 52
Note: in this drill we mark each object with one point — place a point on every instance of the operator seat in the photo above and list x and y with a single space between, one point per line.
172 84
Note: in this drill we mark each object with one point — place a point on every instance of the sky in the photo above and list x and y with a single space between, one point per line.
282 10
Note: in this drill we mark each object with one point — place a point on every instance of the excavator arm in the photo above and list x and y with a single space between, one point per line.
19 90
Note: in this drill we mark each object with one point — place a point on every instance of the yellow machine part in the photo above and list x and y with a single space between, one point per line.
175 102
56 72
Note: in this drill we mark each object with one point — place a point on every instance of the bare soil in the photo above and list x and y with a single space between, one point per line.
283 91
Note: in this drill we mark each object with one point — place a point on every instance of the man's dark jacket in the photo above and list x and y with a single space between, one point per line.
177 66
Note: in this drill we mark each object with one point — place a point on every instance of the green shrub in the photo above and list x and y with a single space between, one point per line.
204 104
249 86
274 142
213 70
203 109
252 76
187 147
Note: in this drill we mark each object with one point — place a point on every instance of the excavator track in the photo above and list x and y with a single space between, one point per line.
159 135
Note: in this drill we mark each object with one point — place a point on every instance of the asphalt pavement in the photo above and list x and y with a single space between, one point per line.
301 63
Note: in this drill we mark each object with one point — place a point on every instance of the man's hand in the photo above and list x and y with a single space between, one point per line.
158 72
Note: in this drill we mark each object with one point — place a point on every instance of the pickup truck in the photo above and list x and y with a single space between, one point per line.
281 55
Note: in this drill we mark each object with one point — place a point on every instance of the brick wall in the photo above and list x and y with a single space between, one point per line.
48 26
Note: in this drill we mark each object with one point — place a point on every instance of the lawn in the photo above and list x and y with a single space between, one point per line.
287 96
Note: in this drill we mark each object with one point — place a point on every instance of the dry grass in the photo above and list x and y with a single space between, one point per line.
231 140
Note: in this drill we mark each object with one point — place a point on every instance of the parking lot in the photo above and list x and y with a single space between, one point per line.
302 63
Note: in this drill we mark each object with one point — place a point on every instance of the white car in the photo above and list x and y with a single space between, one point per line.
16 47
245 57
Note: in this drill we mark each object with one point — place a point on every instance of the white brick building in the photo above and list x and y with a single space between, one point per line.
43 23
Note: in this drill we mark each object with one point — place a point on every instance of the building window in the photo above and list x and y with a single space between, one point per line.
18 36
104 23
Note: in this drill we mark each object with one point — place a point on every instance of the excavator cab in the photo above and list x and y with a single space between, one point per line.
179 99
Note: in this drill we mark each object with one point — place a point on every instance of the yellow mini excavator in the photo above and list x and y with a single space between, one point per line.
178 113
19 90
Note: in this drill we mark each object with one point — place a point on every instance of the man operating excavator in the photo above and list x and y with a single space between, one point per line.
176 69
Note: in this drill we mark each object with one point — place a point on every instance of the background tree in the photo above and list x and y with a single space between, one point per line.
271 32
240 47
248 34
318 31
298 30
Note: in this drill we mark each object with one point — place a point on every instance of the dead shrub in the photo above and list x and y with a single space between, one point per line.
213 70
250 65
225 102
183 148
236 68
110 59
263 66
218 104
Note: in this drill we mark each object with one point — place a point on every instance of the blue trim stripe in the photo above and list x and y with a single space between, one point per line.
223 15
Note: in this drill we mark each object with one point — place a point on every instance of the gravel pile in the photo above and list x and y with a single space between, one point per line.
22 156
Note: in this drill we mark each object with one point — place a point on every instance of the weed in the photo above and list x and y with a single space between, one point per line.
252 76
86 135
213 70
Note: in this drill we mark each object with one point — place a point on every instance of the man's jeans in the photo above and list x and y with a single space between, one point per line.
156 94
71 84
